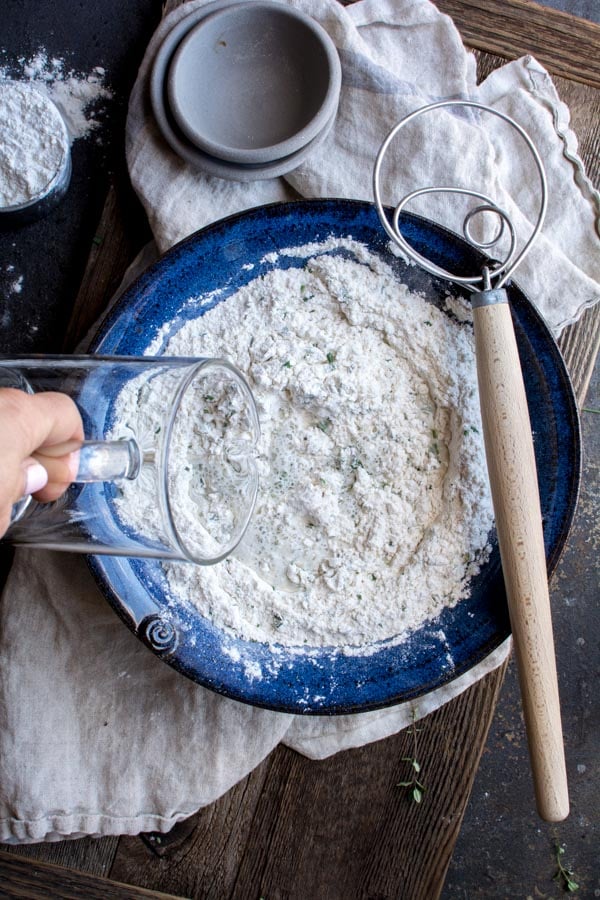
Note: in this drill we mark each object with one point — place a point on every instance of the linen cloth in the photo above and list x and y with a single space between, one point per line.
98 736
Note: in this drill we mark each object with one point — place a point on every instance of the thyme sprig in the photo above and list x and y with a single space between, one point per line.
414 786
565 877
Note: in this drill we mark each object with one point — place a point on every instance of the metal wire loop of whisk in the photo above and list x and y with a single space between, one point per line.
500 270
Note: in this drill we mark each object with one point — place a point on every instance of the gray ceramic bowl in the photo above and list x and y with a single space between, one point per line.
178 142
252 83
221 168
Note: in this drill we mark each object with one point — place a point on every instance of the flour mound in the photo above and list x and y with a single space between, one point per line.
373 511
33 144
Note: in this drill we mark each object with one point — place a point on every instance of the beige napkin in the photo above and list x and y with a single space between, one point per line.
398 55
97 736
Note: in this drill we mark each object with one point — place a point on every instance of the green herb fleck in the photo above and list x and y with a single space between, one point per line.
373 577
414 786
427 322
287 364
277 620
209 398
324 425
331 358
564 876
590 409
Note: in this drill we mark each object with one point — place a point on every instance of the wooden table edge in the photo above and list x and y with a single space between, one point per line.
564 44
20 877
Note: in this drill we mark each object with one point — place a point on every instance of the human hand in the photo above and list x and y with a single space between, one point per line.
31 428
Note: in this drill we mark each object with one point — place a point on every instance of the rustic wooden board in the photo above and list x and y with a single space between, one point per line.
565 45
117 241
40 881
334 829
91 855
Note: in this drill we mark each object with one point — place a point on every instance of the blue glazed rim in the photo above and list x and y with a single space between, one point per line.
323 681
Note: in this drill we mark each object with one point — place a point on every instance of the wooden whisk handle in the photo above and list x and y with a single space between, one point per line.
513 479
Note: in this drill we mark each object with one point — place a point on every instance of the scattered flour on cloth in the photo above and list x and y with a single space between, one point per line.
374 509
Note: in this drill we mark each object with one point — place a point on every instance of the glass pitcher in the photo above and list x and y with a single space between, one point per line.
167 466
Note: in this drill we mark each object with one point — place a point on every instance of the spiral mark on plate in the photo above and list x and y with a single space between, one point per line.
159 634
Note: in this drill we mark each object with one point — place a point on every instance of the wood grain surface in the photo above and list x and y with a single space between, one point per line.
340 828
118 239
41 881
565 45
337 829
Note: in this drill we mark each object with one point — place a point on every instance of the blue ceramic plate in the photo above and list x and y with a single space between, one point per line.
322 680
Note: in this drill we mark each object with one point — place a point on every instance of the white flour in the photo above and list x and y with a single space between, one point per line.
81 97
33 143
213 433
12 282
373 509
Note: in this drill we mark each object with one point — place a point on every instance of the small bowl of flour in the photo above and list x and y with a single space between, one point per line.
35 157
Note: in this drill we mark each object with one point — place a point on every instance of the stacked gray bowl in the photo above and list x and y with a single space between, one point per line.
245 91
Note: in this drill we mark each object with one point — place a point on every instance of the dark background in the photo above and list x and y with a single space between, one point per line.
503 849
51 254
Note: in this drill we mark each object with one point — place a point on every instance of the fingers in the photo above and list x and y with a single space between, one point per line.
32 430
61 470
30 479
40 420
35 475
